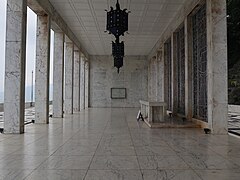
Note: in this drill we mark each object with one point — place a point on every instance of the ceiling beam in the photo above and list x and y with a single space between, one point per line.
44 6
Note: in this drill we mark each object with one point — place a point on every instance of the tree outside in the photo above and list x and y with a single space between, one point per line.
233 10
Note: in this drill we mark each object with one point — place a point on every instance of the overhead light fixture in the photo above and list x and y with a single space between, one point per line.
117 24
118 54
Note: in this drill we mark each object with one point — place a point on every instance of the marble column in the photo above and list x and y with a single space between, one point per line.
160 76
69 68
174 75
76 88
14 89
154 79
42 69
217 66
149 80
86 83
82 83
188 67
58 74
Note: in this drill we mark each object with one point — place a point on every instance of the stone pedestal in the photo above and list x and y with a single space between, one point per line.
69 66
82 83
42 69
14 97
217 66
86 83
76 88
153 112
58 75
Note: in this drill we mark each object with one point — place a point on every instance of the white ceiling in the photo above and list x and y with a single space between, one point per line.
147 21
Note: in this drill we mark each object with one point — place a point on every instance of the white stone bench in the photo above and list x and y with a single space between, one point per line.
153 112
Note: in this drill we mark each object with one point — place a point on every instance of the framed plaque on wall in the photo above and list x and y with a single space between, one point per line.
118 93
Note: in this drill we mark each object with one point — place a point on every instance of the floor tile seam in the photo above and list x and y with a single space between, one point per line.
225 156
70 156
115 155
181 157
216 169
62 169
161 168
139 146
63 144
125 118
49 156
96 148
28 174
194 169
11 154
110 169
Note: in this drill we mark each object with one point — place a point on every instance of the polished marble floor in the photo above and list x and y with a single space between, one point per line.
109 144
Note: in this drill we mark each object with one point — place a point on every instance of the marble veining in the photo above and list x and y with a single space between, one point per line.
82 83
107 143
42 70
69 72
58 75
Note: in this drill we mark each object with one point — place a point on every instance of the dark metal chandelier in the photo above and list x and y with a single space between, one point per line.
117 24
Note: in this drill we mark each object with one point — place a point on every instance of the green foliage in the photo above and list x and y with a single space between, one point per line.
234 96
233 11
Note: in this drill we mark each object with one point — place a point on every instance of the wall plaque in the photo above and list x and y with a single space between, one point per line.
118 93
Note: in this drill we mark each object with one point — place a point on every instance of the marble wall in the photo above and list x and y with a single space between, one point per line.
217 101
132 76
156 78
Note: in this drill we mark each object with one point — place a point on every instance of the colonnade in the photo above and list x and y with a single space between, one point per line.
70 69
188 68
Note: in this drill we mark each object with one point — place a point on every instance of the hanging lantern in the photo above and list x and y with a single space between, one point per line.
118 49
117 24
118 62
117 21
118 54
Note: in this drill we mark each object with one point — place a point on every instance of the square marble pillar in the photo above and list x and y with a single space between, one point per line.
149 80
154 79
69 68
86 83
42 69
58 74
82 82
160 76
174 75
14 89
76 88
188 67
217 66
